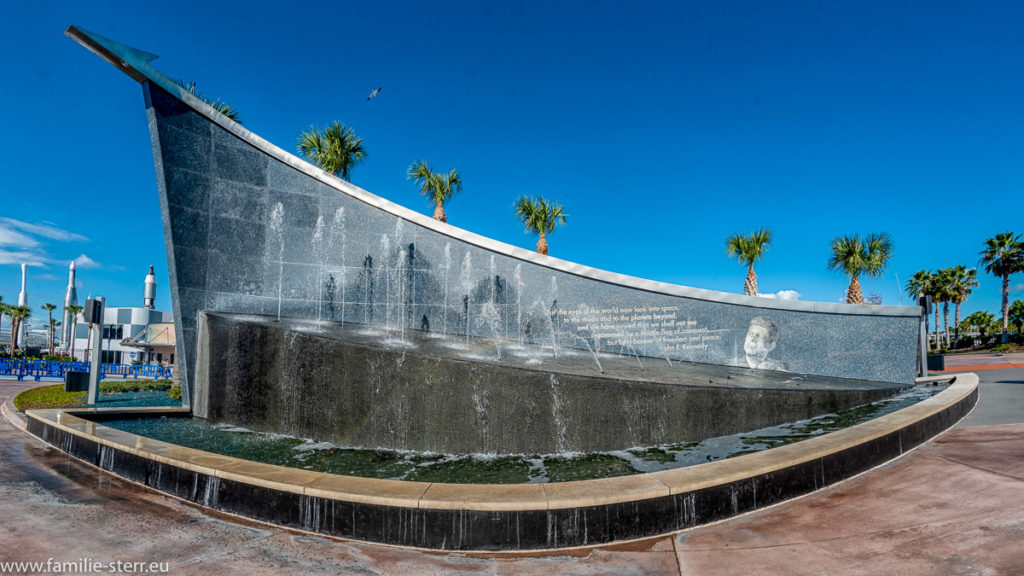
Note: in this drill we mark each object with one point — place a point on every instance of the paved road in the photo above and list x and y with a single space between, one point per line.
1001 398
954 506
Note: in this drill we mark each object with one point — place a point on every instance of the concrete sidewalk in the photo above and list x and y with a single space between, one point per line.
979 362
954 506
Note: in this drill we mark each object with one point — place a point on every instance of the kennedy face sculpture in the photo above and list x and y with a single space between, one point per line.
762 335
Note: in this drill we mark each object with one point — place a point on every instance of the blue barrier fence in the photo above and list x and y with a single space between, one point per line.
57 369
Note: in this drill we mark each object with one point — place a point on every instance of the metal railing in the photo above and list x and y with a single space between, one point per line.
58 368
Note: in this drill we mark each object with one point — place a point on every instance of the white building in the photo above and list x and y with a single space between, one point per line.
126 323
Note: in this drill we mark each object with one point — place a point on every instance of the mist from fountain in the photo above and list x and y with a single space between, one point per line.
518 277
466 282
490 318
367 288
338 230
276 229
447 267
402 306
561 429
318 257
385 249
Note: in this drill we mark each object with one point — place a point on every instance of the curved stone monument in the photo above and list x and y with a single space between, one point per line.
306 305
252 229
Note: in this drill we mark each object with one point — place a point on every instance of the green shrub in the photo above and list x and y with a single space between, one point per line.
174 393
965 342
55 396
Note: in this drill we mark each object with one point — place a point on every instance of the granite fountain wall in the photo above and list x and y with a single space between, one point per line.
252 229
350 386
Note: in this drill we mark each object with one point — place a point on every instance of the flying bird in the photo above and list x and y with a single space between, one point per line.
373 94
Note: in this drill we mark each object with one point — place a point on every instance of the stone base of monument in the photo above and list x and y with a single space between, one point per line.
358 385
498 517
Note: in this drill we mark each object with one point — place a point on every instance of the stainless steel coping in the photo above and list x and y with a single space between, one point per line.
497 497
136 63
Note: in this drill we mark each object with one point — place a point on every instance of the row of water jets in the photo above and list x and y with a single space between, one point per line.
398 278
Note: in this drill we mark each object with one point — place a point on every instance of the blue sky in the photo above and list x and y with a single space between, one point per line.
662 127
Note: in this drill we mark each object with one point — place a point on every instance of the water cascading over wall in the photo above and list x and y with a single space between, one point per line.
252 229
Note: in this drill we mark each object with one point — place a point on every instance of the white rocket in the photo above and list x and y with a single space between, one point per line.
23 301
150 297
70 299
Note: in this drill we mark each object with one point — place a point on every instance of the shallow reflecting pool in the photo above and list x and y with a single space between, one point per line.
490 469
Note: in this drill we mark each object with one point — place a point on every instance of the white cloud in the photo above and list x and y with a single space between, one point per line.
18 257
84 261
785 295
11 237
46 230
21 242
1017 287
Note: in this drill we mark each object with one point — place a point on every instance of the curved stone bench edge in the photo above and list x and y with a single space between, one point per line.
496 497
12 414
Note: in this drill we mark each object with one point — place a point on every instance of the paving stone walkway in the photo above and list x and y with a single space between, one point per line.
953 506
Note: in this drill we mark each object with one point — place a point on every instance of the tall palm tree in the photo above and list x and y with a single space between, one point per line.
437 187
747 250
336 149
939 291
74 311
18 315
3 310
49 313
963 281
920 285
222 107
540 216
54 324
854 257
1002 256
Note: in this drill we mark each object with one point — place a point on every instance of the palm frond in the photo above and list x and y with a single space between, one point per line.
222 107
337 149
749 248
1003 255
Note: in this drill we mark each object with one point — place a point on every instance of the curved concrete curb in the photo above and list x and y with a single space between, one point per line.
492 517
13 415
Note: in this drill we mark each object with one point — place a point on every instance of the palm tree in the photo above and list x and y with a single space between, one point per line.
74 311
540 216
1017 315
853 257
222 107
962 282
53 331
749 249
18 315
3 310
980 320
1002 256
939 291
437 187
49 312
920 284
337 149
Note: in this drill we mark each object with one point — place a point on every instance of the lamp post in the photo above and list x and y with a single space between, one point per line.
94 314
